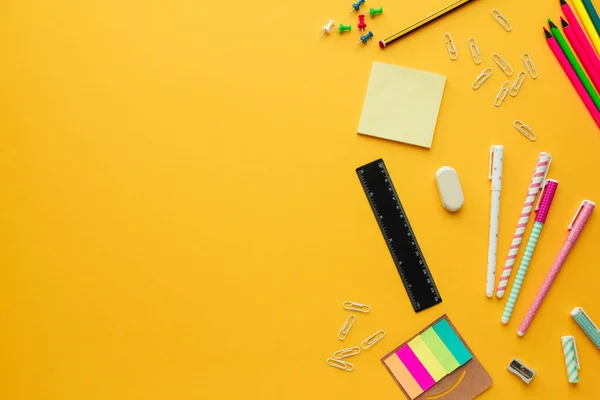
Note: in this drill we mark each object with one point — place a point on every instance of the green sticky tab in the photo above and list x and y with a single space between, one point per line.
427 358
439 350
452 341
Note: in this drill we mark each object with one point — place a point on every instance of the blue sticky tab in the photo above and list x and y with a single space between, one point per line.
452 341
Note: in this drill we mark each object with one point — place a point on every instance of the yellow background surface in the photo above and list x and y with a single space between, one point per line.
181 219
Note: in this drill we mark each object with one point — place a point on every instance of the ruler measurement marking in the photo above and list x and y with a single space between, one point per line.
404 248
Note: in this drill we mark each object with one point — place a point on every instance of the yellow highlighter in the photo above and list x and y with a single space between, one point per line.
587 23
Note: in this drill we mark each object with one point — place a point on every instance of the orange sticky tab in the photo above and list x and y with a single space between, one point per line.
403 376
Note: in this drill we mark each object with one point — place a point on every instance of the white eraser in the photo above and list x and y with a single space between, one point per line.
451 192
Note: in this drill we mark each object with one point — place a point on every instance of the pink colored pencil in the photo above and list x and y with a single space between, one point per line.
583 57
537 181
562 59
581 37
581 218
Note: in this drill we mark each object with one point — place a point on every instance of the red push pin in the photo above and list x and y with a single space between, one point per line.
361 23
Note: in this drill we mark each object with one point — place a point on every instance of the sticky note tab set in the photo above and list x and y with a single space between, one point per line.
437 362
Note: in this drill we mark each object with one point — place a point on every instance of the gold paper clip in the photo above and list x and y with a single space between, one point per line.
502 64
485 75
525 130
474 51
502 94
518 84
452 51
501 20
351 306
346 327
529 65
346 366
374 338
350 352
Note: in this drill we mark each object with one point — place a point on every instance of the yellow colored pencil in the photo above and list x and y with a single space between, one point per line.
587 23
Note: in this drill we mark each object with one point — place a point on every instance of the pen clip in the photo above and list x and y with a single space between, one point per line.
589 320
537 206
491 162
576 353
545 178
583 204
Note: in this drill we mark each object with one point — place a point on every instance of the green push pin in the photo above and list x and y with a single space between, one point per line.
344 28
376 11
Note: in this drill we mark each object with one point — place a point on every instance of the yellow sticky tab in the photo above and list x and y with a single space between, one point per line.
427 358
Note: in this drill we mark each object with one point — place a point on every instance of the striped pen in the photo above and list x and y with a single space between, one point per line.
542 210
571 358
539 176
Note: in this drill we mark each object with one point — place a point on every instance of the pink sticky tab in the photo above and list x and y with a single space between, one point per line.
415 367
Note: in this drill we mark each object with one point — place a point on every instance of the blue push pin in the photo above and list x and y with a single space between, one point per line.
356 6
363 39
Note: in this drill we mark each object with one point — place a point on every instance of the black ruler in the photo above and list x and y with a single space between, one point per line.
398 235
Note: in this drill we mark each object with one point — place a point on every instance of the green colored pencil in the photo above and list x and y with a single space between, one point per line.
589 6
575 64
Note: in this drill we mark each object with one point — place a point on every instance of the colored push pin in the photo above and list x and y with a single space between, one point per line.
376 11
356 6
327 28
345 28
364 38
361 23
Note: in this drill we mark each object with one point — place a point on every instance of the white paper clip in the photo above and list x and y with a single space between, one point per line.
374 338
529 65
346 366
485 75
474 51
502 93
502 64
501 20
518 83
349 352
346 327
452 51
352 306
520 370
525 130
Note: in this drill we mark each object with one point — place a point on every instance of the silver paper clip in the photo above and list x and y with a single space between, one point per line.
374 338
520 370
501 20
502 93
452 51
474 51
349 352
485 75
518 83
346 327
502 64
346 366
529 65
525 130
351 306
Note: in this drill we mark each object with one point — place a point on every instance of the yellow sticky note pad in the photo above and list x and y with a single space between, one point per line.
427 358
402 104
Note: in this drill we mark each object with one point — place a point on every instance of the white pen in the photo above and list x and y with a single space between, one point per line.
495 175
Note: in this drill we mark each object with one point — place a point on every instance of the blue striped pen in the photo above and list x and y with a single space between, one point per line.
542 210
571 358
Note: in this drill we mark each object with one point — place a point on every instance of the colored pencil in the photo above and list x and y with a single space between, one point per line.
581 36
587 63
589 6
562 42
587 23
564 63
